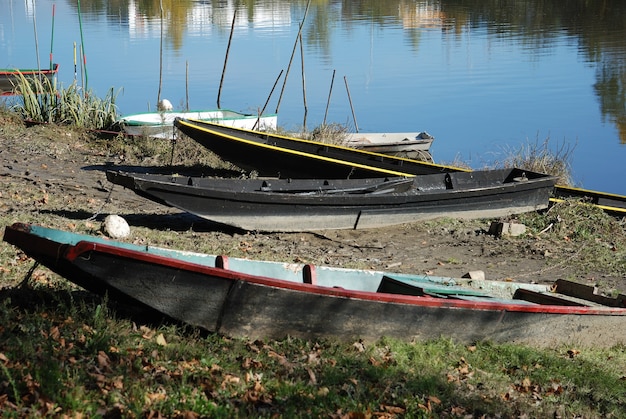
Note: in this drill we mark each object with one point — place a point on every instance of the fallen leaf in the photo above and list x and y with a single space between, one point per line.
103 360
160 340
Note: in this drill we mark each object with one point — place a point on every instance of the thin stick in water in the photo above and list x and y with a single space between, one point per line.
306 110
82 51
356 126
232 29
330 92
267 101
160 57
52 37
187 85
293 51
36 40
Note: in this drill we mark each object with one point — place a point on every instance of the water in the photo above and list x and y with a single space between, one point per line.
484 79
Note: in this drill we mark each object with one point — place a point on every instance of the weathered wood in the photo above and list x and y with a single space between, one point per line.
245 304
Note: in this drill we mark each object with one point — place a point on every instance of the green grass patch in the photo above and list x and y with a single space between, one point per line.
82 359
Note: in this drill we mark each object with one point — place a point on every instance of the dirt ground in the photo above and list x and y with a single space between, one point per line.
55 172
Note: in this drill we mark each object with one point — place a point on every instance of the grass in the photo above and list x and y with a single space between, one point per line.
81 359
542 157
39 100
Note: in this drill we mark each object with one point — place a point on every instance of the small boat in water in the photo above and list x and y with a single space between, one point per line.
261 300
159 124
10 78
318 204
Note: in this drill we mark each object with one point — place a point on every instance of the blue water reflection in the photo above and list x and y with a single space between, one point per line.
484 78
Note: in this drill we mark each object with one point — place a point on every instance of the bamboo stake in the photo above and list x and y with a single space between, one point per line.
187 85
36 40
330 92
160 57
82 50
295 44
356 126
267 101
75 74
306 110
82 67
52 37
232 29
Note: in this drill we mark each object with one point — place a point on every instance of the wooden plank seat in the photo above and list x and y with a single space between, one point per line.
419 286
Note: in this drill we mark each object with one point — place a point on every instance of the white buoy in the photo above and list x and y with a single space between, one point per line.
164 105
115 227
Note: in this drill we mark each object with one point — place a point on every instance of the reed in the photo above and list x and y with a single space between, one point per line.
542 157
39 100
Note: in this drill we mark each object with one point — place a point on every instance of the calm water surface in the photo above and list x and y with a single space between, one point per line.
484 78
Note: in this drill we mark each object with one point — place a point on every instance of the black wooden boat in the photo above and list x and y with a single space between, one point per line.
276 155
611 203
260 299
317 204
280 156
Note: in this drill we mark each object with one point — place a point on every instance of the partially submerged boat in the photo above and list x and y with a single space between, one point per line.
160 124
259 299
12 77
318 204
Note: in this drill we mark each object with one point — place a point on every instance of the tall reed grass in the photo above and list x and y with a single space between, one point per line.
39 100
542 157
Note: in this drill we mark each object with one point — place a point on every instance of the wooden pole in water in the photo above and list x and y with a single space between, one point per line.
160 57
75 73
356 126
36 40
82 50
295 44
187 85
306 110
52 37
232 29
267 101
330 92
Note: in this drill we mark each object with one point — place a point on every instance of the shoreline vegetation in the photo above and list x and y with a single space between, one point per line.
66 353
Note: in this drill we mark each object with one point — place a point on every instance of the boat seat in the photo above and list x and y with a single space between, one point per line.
567 293
419 287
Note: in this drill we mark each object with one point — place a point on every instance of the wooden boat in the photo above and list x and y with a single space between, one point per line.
611 203
9 78
317 204
260 300
159 124
274 155
410 145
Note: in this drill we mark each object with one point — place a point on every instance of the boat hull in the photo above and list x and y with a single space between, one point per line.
160 124
245 304
409 145
10 78
280 156
303 205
